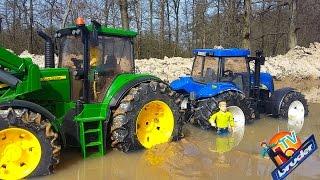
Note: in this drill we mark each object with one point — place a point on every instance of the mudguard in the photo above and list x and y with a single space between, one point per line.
30 105
35 108
274 102
186 85
118 97
266 82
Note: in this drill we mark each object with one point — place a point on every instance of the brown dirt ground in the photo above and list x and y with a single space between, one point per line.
309 87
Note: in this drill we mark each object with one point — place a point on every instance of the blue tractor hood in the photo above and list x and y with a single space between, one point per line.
187 84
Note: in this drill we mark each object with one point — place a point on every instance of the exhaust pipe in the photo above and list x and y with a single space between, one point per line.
48 50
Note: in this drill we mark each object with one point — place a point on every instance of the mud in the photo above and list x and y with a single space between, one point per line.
200 155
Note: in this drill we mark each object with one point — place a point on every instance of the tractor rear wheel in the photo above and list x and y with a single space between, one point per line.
294 104
28 144
148 115
207 107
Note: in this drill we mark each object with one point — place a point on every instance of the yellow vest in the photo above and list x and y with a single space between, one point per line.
222 119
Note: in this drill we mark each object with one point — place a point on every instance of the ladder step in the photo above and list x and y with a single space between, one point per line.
92 131
93 144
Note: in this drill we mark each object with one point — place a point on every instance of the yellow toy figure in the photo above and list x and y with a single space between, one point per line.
223 120
94 56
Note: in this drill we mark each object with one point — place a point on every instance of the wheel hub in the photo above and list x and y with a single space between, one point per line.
296 110
296 113
12 152
154 124
20 153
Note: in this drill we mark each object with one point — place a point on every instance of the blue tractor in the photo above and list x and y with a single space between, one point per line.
234 76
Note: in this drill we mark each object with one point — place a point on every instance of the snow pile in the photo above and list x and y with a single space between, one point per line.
37 59
167 69
298 63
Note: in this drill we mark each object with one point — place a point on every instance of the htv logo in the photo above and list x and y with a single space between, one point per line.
285 142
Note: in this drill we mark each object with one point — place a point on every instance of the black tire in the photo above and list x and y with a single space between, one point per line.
123 128
42 129
288 99
206 107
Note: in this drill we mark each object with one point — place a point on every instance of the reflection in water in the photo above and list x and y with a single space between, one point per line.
200 155
295 123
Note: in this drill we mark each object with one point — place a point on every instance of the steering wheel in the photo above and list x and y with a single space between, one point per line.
228 73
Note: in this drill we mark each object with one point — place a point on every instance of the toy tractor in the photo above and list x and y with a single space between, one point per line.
92 100
233 76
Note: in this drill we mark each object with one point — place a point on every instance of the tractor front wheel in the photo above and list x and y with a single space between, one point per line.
207 107
148 115
28 145
293 106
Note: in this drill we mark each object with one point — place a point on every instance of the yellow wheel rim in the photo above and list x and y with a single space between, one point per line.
154 124
20 153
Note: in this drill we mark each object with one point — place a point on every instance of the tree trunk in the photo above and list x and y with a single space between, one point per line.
161 15
66 14
14 21
292 36
151 16
187 25
247 23
219 22
176 12
31 27
106 11
137 12
169 24
124 13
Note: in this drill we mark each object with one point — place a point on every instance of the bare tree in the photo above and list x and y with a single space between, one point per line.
137 13
151 16
124 13
66 14
169 23
107 5
176 7
31 27
161 15
247 23
292 35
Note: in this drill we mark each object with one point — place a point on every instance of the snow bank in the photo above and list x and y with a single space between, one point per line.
298 63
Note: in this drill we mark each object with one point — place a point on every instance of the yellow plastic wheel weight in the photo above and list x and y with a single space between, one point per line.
20 153
155 124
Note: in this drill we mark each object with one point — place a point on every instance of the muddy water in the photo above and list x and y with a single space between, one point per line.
200 155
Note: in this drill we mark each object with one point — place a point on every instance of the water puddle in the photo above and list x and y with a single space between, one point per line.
200 155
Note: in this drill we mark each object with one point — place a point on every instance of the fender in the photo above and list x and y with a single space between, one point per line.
274 102
35 108
267 81
117 98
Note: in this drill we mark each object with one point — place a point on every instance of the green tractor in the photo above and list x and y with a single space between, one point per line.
91 99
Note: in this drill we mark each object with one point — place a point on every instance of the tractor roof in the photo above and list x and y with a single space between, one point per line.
104 30
114 31
233 52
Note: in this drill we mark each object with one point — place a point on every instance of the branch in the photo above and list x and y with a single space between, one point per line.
66 14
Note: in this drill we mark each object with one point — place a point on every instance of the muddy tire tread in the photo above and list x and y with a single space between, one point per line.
123 136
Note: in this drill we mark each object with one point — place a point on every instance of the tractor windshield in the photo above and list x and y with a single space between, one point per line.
205 69
113 54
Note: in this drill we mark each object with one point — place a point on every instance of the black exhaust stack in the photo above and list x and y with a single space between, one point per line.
48 50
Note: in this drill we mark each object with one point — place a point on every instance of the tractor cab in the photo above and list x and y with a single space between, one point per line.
221 65
95 55
218 70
